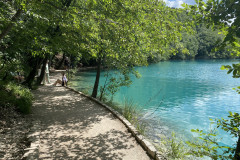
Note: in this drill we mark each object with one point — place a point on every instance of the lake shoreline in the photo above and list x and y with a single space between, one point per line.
94 67
197 94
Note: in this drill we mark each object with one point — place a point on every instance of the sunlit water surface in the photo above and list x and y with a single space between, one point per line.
178 95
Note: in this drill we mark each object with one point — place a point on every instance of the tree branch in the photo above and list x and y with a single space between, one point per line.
53 5
13 20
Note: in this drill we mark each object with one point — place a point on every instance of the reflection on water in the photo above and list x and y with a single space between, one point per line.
179 95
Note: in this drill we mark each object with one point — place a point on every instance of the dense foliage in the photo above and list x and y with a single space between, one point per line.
117 34
200 43
223 15
16 95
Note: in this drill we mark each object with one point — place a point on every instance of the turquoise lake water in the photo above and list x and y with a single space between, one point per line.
178 95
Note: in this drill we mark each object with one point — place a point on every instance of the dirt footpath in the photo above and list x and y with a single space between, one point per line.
73 127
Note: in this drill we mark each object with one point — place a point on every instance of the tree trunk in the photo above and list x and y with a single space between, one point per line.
40 78
61 62
104 86
34 62
9 27
95 89
30 78
50 60
5 76
237 151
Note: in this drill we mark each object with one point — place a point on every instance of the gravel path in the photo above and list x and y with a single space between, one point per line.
14 128
73 127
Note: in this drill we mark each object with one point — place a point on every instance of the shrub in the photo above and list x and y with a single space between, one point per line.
172 147
130 112
85 91
17 95
207 142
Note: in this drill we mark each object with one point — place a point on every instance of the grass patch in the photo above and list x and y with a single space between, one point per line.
172 147
16 95
177 148
131 113
85 91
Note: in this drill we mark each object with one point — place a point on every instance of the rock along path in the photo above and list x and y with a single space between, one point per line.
74 127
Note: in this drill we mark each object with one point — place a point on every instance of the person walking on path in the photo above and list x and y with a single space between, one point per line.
46 76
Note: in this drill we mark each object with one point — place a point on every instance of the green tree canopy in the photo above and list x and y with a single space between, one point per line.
119 33
223 15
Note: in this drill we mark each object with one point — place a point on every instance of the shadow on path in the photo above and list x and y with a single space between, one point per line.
73 127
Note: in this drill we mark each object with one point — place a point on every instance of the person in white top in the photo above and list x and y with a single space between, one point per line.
62 82
46 79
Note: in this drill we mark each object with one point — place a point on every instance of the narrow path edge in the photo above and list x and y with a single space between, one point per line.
145 144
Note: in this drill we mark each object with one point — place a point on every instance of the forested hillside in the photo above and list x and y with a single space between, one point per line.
199 44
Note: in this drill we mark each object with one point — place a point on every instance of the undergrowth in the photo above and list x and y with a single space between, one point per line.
131 113
172 147
71 74
16 95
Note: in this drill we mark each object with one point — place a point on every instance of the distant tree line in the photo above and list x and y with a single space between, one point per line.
199 44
